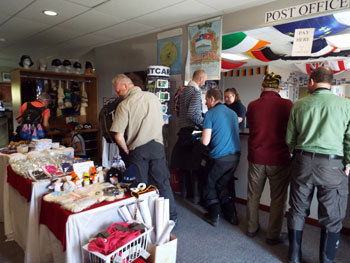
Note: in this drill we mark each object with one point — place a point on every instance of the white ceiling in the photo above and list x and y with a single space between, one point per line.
85 24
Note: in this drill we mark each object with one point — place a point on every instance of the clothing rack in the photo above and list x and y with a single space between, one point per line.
54 78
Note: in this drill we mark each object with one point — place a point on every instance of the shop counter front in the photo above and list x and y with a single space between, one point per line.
21 212
63 234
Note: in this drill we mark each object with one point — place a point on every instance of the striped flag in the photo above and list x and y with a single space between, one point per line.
257 71
321 47
265 70
239 42
227 66
264 54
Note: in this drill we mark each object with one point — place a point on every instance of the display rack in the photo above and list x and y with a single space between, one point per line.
21 93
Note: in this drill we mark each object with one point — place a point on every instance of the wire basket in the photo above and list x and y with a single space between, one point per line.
125 254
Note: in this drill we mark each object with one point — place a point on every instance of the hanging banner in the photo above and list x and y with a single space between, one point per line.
204 48
169 50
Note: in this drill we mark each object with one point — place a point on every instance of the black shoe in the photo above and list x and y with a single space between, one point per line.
276 241
253 234
294 251
328 246
211 220
212 217
230 213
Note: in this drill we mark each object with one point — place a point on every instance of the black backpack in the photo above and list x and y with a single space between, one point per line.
32 115
106 117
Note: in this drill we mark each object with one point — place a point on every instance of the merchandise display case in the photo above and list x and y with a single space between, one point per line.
26 84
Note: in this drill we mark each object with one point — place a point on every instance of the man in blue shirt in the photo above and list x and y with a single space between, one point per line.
220 130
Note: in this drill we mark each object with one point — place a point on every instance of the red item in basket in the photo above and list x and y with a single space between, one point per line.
115 240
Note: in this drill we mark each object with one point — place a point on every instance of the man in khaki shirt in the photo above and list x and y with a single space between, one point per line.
140 116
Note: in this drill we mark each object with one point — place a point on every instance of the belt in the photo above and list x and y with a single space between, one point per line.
320 155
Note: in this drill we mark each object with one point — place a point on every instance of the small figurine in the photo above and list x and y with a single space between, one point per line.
56 185
86 178
76 180
100 174
26 61
93 175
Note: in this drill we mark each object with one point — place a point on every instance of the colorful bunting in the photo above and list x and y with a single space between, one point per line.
239 42
244 72
226 65
324 26
321 47
265 54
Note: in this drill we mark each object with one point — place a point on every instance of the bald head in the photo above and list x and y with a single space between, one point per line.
199 76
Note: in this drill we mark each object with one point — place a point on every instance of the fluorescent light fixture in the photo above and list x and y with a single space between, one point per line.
50 13
2 39
340 41
235 57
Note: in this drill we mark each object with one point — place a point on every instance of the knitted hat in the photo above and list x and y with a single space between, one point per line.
272 80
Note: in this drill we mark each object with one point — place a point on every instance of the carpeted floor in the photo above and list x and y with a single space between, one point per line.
200 242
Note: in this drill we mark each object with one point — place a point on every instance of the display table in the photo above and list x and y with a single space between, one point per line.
21 212
4 159
77 227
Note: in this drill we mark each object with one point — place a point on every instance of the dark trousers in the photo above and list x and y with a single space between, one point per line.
152 165
220 179
310 172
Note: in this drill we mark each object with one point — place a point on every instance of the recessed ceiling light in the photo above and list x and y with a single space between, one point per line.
50 13
2 39
235 57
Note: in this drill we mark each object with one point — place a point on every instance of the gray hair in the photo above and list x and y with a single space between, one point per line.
123 78
44 97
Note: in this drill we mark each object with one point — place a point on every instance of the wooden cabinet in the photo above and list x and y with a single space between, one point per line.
26 82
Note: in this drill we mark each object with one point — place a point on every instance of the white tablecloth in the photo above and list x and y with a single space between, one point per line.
79 228
21 219
4 158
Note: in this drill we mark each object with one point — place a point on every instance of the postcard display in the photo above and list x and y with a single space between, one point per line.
158 83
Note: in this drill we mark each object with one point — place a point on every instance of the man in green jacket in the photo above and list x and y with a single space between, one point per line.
318 135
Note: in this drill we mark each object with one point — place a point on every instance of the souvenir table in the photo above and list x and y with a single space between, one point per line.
21 212
63 234
3 173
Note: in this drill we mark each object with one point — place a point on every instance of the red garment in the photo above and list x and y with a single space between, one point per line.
114 241
37 104
267 118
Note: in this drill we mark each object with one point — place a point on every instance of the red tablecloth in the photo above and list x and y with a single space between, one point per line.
21 184
55 218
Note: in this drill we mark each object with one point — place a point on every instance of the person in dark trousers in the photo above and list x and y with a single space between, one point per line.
140 116
220 131
233 101
268 157
190 117
318 135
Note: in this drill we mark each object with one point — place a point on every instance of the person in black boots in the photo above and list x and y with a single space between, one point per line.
318 135
190 119
221 133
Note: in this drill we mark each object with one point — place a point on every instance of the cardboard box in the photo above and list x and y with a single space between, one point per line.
165 253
